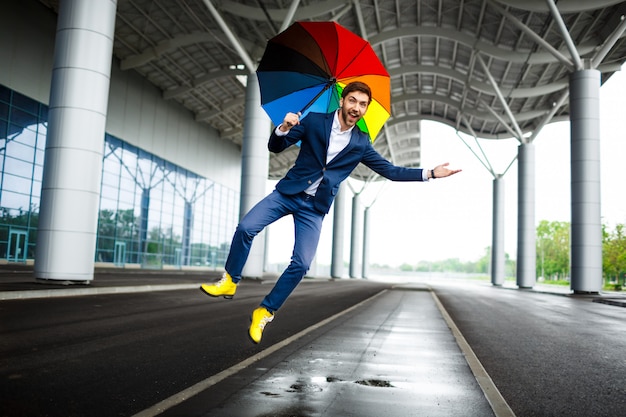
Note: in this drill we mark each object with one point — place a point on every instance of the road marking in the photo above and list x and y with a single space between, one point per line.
187 393
75 292
498 404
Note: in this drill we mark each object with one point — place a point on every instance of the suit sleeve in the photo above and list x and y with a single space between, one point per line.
380 165
278 143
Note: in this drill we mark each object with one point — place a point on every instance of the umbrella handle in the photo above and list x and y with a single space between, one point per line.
329 84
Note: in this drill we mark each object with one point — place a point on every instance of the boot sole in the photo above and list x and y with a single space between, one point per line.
228 297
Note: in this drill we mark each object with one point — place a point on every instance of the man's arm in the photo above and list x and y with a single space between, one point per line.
284 136
380 165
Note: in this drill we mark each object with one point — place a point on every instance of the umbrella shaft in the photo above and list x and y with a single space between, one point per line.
326 87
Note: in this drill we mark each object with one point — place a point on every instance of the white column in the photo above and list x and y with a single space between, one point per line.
586 238
497 239
366 243
254 169
526 234
70 194
356 238
339 214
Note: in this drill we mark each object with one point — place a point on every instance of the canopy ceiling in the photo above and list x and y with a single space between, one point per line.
491 69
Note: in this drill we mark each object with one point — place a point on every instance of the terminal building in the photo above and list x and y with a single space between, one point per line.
131 132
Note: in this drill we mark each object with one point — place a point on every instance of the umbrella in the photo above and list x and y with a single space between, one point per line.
305 68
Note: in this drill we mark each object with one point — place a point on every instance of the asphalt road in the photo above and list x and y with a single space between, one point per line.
549 355
115 355
118 354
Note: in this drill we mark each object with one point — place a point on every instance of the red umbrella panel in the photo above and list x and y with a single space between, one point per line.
305 68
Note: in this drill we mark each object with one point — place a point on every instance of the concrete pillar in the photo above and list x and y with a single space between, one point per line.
526 236
339 214
586 231
366 242
79 93
356 238
254 169
497 239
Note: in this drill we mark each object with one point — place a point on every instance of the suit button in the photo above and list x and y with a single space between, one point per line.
310 182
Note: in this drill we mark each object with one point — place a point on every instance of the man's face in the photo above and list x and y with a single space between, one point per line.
353 107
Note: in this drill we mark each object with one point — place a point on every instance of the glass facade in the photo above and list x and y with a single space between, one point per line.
152 212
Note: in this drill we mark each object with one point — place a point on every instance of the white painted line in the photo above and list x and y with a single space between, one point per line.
498 404
73 292
185 394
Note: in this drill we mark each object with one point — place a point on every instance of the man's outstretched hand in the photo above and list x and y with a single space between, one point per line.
442 171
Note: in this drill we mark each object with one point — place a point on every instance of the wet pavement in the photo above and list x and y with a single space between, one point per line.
394 355
394 350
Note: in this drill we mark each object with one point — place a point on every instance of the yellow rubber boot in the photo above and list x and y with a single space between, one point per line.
260 317
225 287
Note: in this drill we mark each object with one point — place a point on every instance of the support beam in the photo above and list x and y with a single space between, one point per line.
501 120
609 43
528 31
290 14
569 42
557 105
505 105
231 36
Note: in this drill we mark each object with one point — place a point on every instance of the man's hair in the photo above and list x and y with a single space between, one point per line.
357 86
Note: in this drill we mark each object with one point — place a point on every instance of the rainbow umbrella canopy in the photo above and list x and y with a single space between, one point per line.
305 68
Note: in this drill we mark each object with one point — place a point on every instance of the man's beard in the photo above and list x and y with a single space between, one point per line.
345 114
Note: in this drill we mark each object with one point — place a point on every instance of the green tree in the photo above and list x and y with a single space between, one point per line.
553 250
614 254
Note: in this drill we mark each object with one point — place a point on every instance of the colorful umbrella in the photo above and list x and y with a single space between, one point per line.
305 68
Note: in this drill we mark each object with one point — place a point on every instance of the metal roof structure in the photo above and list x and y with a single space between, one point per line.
489 68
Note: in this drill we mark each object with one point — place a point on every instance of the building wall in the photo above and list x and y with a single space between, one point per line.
189 218
136 114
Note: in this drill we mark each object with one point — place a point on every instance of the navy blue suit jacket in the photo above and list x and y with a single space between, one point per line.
314 132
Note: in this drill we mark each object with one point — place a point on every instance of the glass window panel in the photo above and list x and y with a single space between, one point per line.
25 103
19 151
36 188
109 192
21 118
127 184
37 172
39 157
43 112
28 137
5 94
13 200
126 197
109 179
18 168
4 112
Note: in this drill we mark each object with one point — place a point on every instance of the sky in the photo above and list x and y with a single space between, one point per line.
452 217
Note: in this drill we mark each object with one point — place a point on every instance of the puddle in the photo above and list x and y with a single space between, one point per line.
375 383
305 388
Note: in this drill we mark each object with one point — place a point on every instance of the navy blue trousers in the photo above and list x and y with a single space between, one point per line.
307 225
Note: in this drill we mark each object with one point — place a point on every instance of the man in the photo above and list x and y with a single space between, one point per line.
330 149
